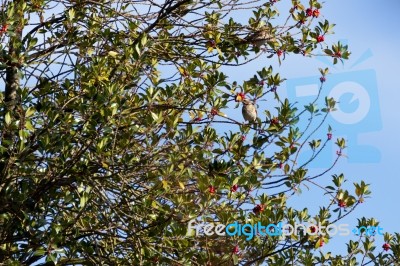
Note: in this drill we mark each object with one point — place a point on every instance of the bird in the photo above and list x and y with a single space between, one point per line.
260 37
249 111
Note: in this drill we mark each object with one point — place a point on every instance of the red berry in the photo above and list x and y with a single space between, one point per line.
329 136
279 52
315 13
281 165
320 38
322 79
258 209
342 204
386 246
338 54
214 111
3 28
235 250
309 12
322 243
313 229
234 188
261 83
211 189
212 44
243 137
274 121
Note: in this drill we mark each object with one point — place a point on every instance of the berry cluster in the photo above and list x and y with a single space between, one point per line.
386 246
310 12
258 209
3 29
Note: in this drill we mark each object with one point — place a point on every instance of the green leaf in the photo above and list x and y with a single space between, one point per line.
154 116
39 252
28 125
71 14
235 181
235 259
8 118
32 42
143 40
30 111
112 53
137 49
83 200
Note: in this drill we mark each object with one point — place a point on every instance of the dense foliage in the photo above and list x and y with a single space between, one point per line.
117 129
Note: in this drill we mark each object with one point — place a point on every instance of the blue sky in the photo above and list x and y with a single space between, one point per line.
375 25
371 29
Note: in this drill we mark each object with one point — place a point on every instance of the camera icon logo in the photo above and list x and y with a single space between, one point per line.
357 112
